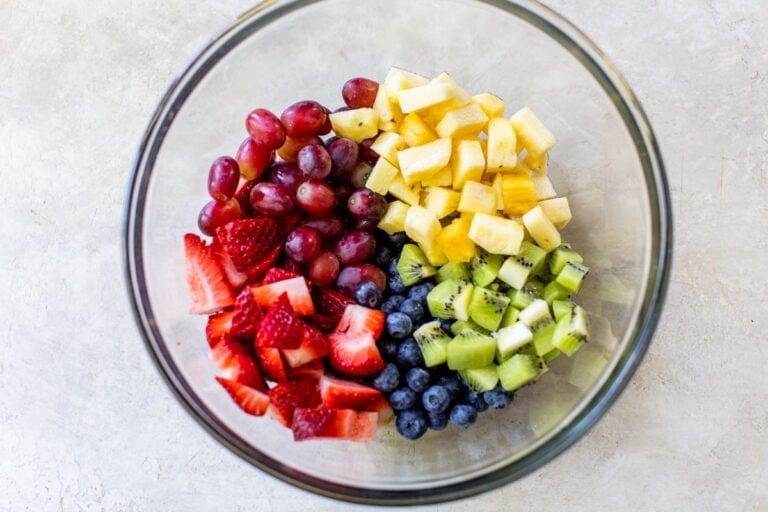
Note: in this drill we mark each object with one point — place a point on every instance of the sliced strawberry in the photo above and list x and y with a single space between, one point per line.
325 323
276 274
331 302
314 369
293 266
352 346
234 361
297 290
209 289
290 220
292 394
257 271
272 364
218 327
324 423
250 241
243 196
357 319
338 393
236 278
383 409
311 347
250 400
281 327
247 316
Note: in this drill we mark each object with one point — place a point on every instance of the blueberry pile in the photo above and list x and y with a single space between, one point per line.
422 398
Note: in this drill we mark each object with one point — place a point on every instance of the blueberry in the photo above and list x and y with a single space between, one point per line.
419 292
397 241
475 400
391 268
498 397
436 399
463 415
409 354
437 420
369 295
395 284
387 307
397 301
388 379
417 379
445 325
412 424
413 309
388 348
402 399
399 325
452 384
382 256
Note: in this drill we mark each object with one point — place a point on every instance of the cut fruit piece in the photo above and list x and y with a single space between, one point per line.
386 107
450 300
571 276
413 265
281 327
393 220
561 256
311 347
536 164
496 235
406 193
480 379
443 178
470 349
432 341
208 287
542 337
464 121
485 267
492 105
477 198
560 308
554 292
501 153
415 132
518 370
421 225
454 241
487 307
324 423
541 229
460 325
250 243
453 270
535 312
338 393
219 327
250 400
512 338
572 331
534 136
527 262
467 163
398 79
557 211
296 289
352 346
356 124
235 363
434 252
441 201
423 97
423 162
511 315
543 187
272 364
382 174
287 396
517 193
386 145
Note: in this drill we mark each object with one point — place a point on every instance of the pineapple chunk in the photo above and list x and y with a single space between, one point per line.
414 131
492 105
441 201
398 79
535 137
467 163
387 144
463 121
477 198
393 220
543 187
537 164
421 225
518 193
425 96
388 109
454 240
404 192
422 162
499 189
495 234
501 150
458 94
382 174
541 229
557 211
443 178
357 124
434 253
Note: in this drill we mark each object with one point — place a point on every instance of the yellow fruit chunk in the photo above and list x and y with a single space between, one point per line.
467 163
382 174
543 187
454 240
422 162
477 198
492 105
425 96
357 124
414 131
387 108
443 178
434 253
497 187
535 137
495 234
537 164
393 220
421 225
398 79
501 146
387 144
441 201
541 229
467 120
557 210
518 193
403 191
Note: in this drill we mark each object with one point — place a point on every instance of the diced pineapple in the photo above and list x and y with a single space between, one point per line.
382 174
393 220
414 131
454 240
557 211
543 187
492 105
441 201
387 107
403 191
476 197
541 229
398 79
421 225
434 253
495 234
387 144
467 163
464 121
443 178
501 149
423 97
497 187
537 164
535 137
457 92
422 162
518 193
357 124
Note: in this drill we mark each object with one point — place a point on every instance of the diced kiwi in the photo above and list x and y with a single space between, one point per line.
561 308
512 338
555 291
460 325
480 379
572 331
485 267
413 265
571 276
470 349
517 269
542 336
518 370
551 355
535 312
520 298
450 299
562 255
432 341
487 307
453 270
511 314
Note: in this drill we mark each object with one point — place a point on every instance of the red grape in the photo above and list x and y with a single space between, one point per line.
265 128
285 174
302 244
365 204
355 247
316 197
330 227
271 199
223 178
217 213
359 92
343 190
324 268
366 153
253 159
314 161
327 126
354 275
366 225
291 147
303 119
344 154
360 174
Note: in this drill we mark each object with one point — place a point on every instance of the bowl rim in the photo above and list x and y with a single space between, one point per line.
648 151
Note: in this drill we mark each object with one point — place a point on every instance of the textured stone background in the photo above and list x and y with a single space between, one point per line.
86 422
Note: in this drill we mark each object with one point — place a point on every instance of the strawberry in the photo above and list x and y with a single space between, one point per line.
249 399
323 322
208 287
218 327
250 241
287 396
276 274
297 290
361 319
338 393
289 221
271 362
236 278
331 302
247 316
281 327
257 272
324 423
234 361
314 369
311 347
243 196
352 346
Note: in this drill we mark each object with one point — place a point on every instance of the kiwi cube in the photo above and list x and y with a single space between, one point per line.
512 338
561 308
413 265
470 349
460 325
453 270
487 307
562 255
511 314
555 291
432 341
450 299
480 379
485 267
571 331
571 276
542 336
518 370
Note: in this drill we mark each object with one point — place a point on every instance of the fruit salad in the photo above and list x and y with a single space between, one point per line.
395 263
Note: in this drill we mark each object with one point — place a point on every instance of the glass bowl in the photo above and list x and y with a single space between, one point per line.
606 161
